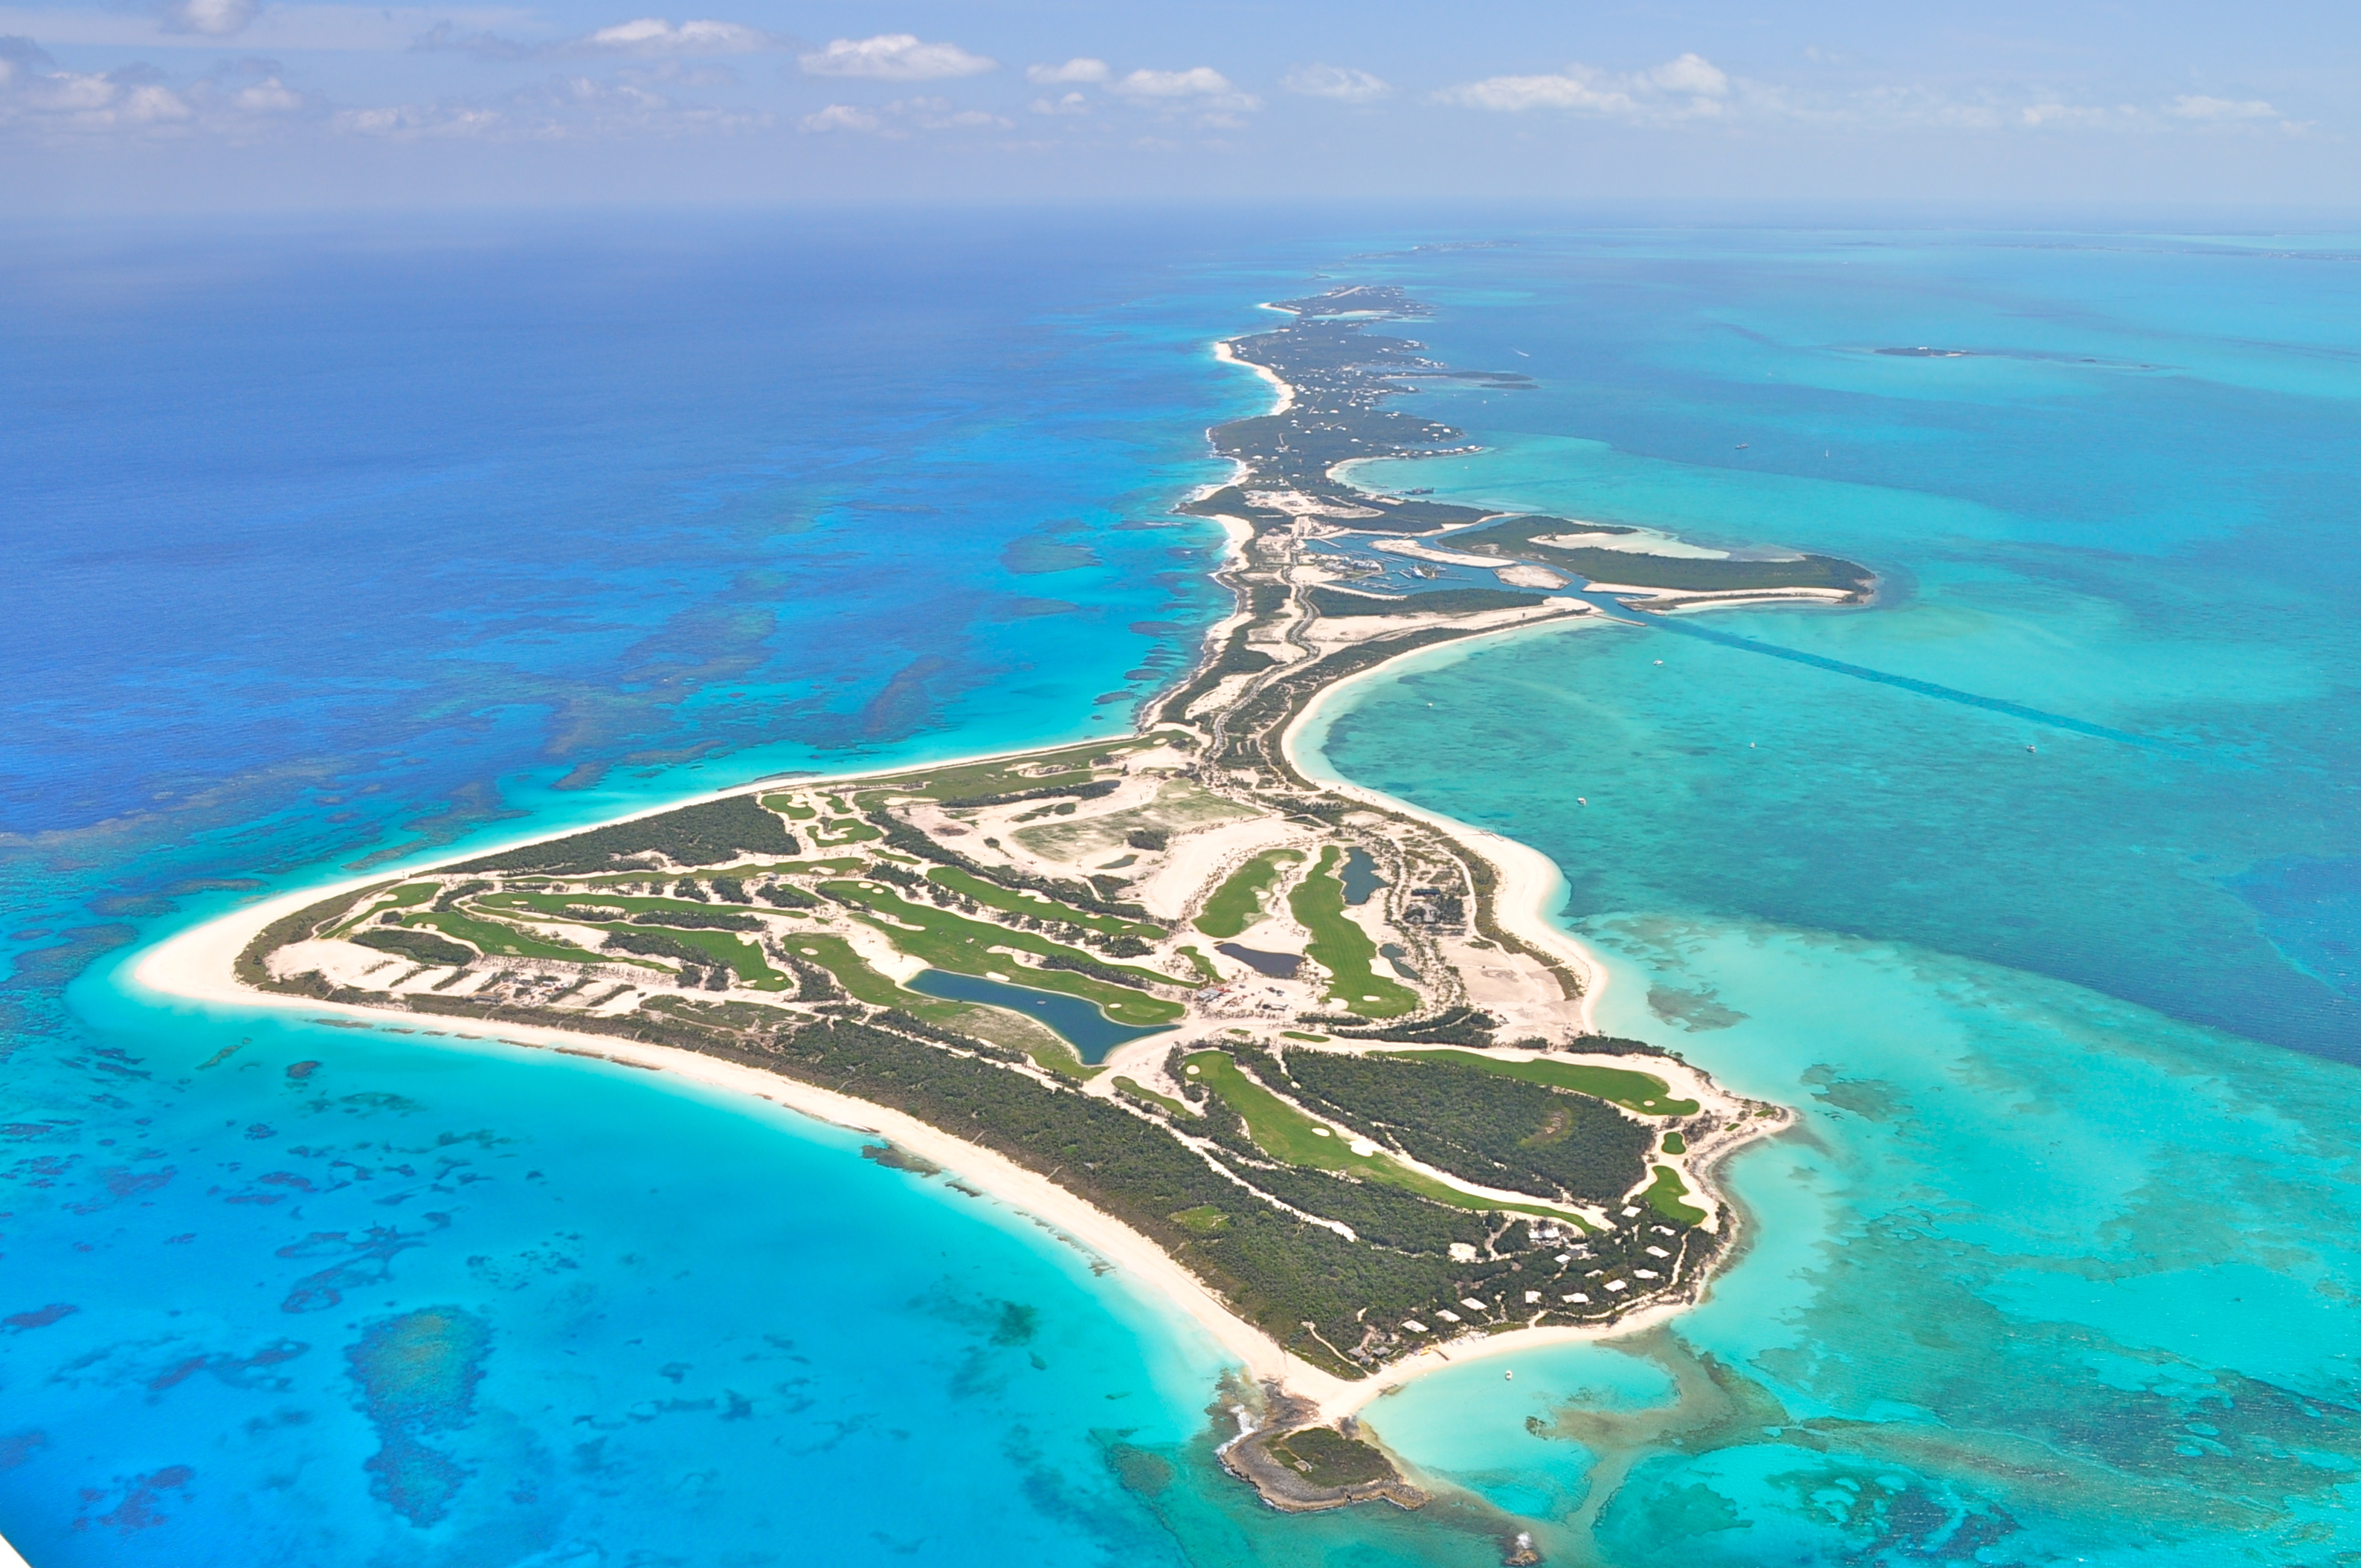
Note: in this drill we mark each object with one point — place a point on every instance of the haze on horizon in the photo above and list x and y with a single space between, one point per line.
133 106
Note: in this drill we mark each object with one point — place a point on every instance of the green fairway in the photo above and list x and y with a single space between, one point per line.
1147 1096
993 896
1640 1092
861 982
1664 1195
1284 1133
740 958
371 906
1343 948
955 942
556 903
1238 901
497 940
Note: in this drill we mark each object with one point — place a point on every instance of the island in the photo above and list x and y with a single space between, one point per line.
1314 1063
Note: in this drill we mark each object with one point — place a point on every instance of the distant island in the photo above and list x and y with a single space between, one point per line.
1314 1065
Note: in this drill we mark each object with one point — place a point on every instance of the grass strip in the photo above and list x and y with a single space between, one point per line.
993 896
1343 948
1238 901
501 941
1134 1090
1664 1195
1641 1091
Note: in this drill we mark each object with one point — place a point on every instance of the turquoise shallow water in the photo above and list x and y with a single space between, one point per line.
2058 1267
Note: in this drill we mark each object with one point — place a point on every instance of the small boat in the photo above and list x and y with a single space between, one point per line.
1742 445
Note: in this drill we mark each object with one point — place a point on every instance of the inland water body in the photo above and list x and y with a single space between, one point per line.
339 546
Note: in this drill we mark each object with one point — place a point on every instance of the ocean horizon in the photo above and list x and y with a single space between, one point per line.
356 550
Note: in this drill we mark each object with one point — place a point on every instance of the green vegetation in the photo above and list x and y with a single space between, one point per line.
1452 1026
418 947
1343 948
971 783
708 835
568 904
1048 1051
1326 1457
993 896
1234 659
699 919
955 942
844 830
1201 963
787 805
1204 1219
851 971
1641 1091
1675 1144
1238 901
1664 1195
1300 1034
250 965
722 948
1480 1126
1146 1096
400 898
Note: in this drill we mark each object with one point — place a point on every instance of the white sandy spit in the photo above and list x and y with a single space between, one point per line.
1286 393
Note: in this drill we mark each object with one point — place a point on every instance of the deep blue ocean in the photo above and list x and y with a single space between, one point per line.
2035 885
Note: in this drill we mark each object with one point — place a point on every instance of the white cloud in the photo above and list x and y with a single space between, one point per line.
73 101
646 38
903 115
894 57
1203 79
2197 106
1688 74
1082 68
1339 82
271 97
420 122
1687 87
2073 116
1070 103
840 117
213 18
1200 88
1514 94
657 36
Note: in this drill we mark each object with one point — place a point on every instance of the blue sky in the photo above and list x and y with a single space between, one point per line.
133 103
